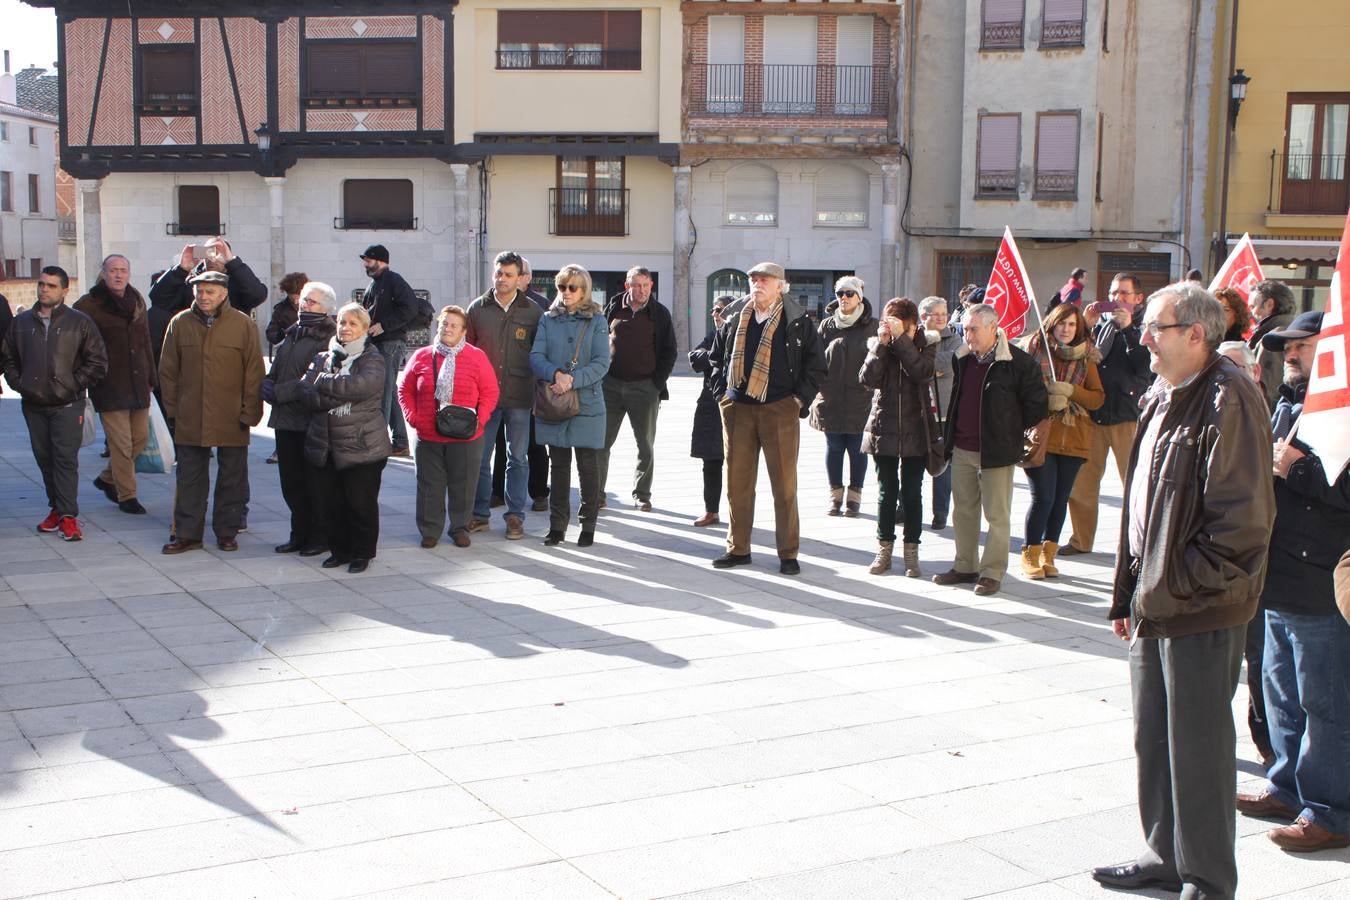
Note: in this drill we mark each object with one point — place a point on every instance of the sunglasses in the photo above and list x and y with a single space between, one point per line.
569 288
846 293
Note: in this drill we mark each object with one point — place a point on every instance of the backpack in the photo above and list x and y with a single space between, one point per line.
426 313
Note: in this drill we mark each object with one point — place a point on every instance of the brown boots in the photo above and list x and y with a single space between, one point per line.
1032 567
882 563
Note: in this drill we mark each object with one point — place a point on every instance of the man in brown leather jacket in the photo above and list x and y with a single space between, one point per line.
1198 510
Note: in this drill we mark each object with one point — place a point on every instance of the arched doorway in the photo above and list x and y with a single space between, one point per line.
723 281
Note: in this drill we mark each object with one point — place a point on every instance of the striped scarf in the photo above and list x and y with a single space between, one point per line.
758 387
445 379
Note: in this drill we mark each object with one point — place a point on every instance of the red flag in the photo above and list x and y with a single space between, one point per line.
1240 271
1325 422
1009 290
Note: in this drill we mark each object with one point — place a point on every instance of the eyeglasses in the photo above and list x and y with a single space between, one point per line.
1119 293
846 293
1155 329
569 287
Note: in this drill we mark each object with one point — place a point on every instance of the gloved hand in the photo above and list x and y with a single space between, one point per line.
269 390
1062 388
1058 402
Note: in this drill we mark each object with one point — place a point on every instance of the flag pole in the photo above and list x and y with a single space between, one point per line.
1031 295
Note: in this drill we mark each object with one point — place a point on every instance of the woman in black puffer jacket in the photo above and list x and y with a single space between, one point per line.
301 342
900 365
840 410
347 441
706 440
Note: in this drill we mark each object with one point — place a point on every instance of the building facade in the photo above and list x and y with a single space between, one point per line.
1080 124
1285 142
28 146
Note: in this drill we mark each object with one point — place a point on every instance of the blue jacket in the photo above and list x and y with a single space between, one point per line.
554 344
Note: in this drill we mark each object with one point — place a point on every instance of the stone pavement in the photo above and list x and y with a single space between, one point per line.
511 721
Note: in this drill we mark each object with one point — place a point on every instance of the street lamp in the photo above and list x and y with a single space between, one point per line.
265 137
1237 87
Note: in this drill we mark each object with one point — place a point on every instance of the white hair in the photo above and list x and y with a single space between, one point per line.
1241 349
984 312
929 303
326 295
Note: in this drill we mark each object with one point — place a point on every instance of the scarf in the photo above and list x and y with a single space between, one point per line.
758 387
341 358
1072 369
844 321
445 380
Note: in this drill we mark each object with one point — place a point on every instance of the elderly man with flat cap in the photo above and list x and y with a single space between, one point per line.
1305 672
210 373
774 365
392 306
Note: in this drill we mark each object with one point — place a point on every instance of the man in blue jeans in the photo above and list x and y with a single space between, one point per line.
1305 672
392 306
502 324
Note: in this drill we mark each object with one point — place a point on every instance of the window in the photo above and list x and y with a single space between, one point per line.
569 39
956 270
1056 156
853 93
4 132
752 196
1001 24
726 65
198 210
790 64
842 197
347 73
997 151
377 204
6 192
11 268
1314 162
34 199
1062 23
590 198
168 83
32 136
35 267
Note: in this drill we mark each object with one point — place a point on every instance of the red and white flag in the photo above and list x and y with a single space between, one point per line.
1009 290
1240 271
1324 424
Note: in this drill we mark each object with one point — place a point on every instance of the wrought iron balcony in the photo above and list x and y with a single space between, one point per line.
569 58
211 228
735 89
1310 184
1001 36
1062 33
1056 184
588 212
993 184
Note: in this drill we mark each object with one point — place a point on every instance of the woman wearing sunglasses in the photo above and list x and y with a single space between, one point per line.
571 352
841 408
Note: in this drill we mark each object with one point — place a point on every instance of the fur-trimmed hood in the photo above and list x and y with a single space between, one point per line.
559 308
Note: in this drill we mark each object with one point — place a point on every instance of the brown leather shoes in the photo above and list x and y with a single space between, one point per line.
476 525
429 543
706 519
643 505
229 545
951 577
177 546
462 539
515 528
1264 806
986 586
1071 550
1307 837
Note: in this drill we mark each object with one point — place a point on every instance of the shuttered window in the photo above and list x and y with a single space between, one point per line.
6 192
841 197
1001 24
575 39
343 73
377 203
198 209
997 155
1057 156
1062 23
752 196
34 198
168 83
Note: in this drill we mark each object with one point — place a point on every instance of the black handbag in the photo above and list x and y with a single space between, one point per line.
458 422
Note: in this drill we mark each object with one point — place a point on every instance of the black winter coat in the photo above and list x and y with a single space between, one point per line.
844 403
663 329
171 294
392 305
805 361
297 350
901 374
1012 399
706 441
1124 373
1311 533
284 315
354 436
53 365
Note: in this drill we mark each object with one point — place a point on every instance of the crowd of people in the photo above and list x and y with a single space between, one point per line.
1231 530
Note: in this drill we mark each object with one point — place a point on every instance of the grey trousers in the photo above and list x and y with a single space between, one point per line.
55 432
1185 745
447 478
194 483
640 401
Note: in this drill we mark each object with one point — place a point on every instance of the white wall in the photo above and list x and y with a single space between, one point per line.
23 235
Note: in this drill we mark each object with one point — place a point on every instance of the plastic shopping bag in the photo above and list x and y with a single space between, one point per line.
157 457
90 431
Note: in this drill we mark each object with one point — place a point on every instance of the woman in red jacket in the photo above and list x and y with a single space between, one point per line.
449 372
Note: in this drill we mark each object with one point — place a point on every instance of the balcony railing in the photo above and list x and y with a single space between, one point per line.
1001 36
1308 184
375 223
592 212
65 229
212 228
569 58
1056 184
735 89
995 184
1064 33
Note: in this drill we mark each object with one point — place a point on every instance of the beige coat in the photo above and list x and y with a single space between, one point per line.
211 378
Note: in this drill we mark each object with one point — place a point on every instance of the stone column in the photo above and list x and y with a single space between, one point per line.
680 293
89 231
276 194
463 262
890 230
